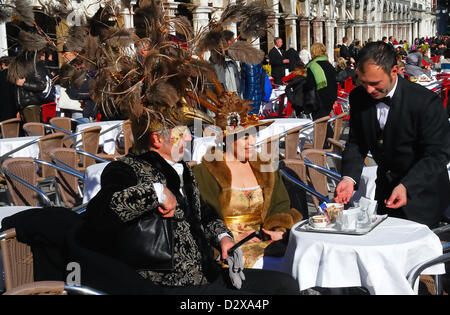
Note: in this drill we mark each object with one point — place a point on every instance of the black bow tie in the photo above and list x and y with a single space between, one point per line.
386 100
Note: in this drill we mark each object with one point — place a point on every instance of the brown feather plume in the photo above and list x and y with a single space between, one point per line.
245 52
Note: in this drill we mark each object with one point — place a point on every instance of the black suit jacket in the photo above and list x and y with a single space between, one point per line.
415 151
345 52
278 67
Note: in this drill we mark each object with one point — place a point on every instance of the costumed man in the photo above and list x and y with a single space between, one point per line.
405 128
278 61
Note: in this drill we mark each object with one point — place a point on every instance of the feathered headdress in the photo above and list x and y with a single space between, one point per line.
146 74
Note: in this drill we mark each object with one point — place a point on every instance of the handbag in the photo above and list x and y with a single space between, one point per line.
146 243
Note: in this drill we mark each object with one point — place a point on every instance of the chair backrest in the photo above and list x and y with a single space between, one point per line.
39 288
66 124
10 128
25 168
90 138
67 184
296 168
46 144
17 260
127 136
337 131
291 143
320 132
336 147
34 129
316 179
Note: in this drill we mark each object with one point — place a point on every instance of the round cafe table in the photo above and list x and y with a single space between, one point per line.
379 261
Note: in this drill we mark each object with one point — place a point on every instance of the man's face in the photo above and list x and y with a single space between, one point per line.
279 43
375 81
174 148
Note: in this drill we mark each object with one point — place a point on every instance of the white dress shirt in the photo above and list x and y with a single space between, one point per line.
383 109
279 51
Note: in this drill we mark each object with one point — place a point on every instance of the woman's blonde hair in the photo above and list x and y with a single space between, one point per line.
400 64
341 63
318 50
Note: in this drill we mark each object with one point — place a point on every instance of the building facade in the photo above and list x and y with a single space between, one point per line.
302 22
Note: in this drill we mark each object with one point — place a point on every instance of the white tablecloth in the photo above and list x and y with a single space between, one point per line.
10 210
92 182
280 125
9 144
379 261
108 140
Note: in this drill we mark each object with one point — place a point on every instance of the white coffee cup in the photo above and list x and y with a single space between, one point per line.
318 221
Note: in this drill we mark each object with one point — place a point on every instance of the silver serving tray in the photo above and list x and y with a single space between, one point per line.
331 228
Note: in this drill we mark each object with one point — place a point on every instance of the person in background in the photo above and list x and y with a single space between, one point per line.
354 48
293 57
31 90
266 66
345 51
401 68
445 62
278 61
78 90
8 107
253 80
305 56
321 76
300 69
413 66
227 69
343 71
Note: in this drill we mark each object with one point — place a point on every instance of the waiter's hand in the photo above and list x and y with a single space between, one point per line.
285 60
344 191
398 197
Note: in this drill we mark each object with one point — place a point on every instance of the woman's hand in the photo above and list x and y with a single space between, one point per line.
274 235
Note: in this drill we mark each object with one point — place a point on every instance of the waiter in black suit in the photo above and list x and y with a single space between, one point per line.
405 127
278 61
345 52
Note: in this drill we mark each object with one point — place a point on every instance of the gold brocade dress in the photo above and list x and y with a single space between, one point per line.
244 214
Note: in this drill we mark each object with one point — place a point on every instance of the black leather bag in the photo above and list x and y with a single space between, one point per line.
147 243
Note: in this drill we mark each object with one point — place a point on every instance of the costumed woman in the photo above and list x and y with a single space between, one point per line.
244 188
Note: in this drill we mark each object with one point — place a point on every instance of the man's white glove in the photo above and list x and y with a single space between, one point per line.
236 267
